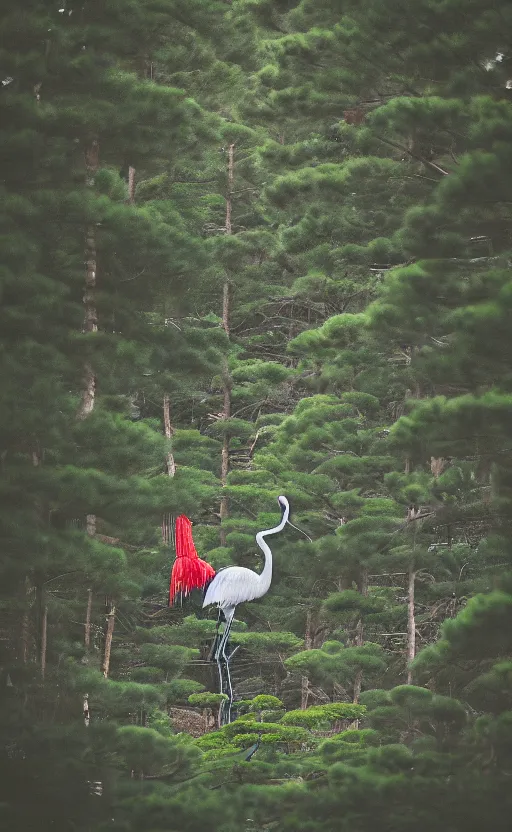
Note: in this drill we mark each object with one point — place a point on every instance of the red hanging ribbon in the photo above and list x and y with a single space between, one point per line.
189 571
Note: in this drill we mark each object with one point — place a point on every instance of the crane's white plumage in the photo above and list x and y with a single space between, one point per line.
236 584
233 586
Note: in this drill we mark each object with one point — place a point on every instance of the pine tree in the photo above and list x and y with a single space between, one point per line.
370 161
76 110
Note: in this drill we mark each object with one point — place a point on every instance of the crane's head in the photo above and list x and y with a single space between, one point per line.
285 510
283 504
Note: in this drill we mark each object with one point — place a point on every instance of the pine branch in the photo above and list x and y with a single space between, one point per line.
413 155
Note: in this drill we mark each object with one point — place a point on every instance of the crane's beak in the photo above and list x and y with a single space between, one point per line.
300 530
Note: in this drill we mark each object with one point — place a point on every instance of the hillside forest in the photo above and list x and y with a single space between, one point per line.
253 248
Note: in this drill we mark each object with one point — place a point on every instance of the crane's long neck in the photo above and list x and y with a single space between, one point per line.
266 574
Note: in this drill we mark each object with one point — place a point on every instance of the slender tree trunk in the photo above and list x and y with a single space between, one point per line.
88 398
304 679
91 531
168 537
90 311
25 624
168 519
131 185
169 431
88 391
24 637
229 196
226 299
87 713
358 681
44 639
42 614
224 470
108 638
87 628
411 624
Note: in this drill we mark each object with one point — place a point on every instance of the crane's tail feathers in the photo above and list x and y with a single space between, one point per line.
207 584
189 571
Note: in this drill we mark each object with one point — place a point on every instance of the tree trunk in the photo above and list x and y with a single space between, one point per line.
44 638
224 470
131 185
168 522
25 624
226 298
87 628
229 195
108 639
437 465
90 325
411 624
88 397
168 519
90 311
358 681
87 713
24 637
91 525
88 391
304 679
91 531
169 431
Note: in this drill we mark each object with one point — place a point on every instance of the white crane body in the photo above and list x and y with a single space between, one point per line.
236 584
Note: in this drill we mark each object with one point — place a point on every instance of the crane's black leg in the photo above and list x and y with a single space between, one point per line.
221 685
215 656
212 655
223 665
226 659
220 649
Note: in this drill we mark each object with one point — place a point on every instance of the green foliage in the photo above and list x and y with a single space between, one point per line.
318 715
350 600
335 663
171 659
144 749
264 702
350 745
365 262
178 690
206 700
261 643
242 732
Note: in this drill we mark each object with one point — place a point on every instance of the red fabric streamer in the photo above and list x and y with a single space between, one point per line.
189 571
